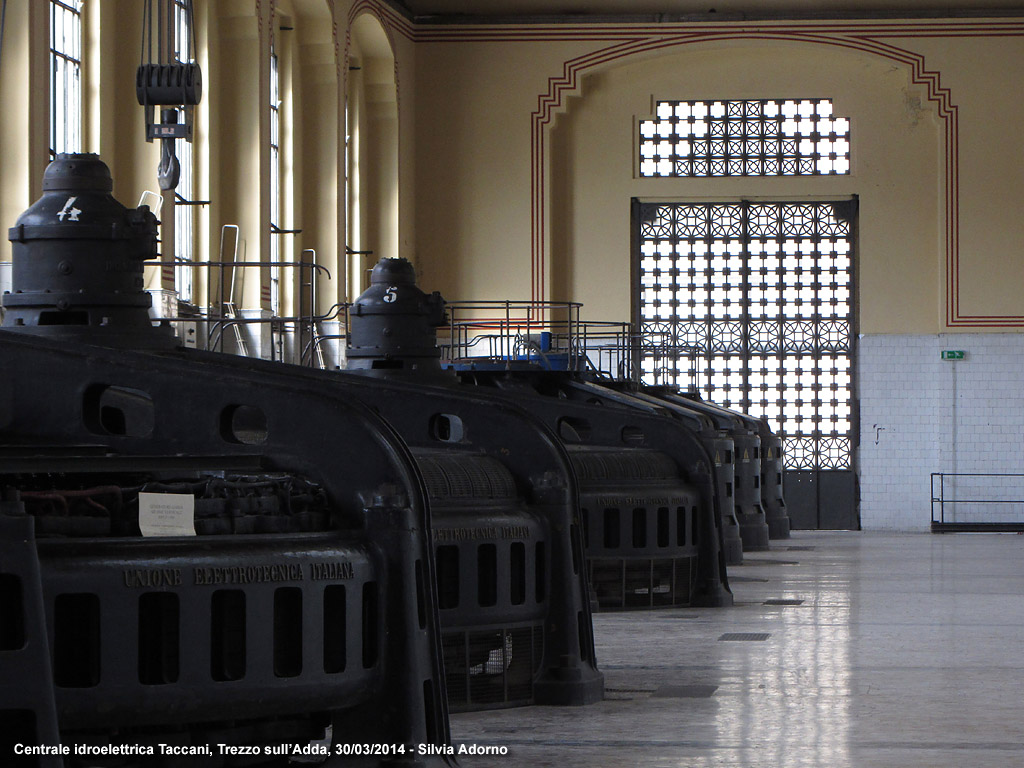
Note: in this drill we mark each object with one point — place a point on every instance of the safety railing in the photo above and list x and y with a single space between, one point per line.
551 335
965 502
511 333
220 325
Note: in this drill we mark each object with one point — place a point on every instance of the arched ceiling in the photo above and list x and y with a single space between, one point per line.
369 38
312 9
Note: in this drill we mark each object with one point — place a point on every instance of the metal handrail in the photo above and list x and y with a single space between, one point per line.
313 347
939 502
219 318
502 331
511 330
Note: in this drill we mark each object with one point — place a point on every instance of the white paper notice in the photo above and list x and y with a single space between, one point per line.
167 514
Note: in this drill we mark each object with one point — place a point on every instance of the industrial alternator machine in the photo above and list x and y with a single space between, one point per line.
200 555
508 543
761 508
649 519
654 527
744 491
719 443
773 497
748 456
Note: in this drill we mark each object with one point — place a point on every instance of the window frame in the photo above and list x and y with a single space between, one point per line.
65 76
805 449
276 192
743 137
184 212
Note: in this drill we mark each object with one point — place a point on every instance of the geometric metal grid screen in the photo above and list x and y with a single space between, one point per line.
750 303
752 137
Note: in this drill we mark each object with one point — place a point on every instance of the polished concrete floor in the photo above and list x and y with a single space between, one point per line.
905 650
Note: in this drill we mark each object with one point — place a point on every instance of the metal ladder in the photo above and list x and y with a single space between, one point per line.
229 309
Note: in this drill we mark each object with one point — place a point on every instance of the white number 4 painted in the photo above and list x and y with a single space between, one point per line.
69 210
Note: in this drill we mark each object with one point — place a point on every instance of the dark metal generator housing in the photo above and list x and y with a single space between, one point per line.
194 548
646 512
512 583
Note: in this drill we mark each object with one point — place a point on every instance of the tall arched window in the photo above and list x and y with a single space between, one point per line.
372 144
275 183
184 214
65 76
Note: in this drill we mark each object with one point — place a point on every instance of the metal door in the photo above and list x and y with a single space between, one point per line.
751 304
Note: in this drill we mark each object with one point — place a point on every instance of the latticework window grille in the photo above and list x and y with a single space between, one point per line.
752 301
753 137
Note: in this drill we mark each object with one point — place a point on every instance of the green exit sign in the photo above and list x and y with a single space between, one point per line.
953 354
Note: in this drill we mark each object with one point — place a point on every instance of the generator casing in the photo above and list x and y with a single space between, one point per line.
299 608
512 588
632 464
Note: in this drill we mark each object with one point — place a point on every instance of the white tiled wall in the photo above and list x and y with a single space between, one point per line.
920 414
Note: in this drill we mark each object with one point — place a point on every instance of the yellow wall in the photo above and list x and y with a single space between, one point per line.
478 133
501 160
317 149
894 170
231 127
473 163
373 151
983 76
24 131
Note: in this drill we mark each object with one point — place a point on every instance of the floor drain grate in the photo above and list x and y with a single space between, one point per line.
799 549
684 692
782 601
768 561
746 578
754 636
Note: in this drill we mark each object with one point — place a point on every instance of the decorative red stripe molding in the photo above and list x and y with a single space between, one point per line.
574 69
630 40
390 20
597 31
